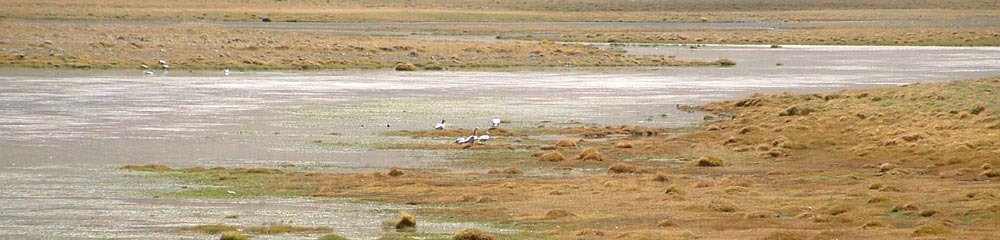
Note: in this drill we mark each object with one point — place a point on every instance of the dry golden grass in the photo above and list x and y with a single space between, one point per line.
473 234
406 223
829 35
590 154
568 142
553 156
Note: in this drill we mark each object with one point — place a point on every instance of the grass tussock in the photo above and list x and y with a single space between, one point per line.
722 206
710 161
395 172
931 229
874 225
590 154
620 168
405 67
568 142
552 156
990 173
512 170
667 223
661 177
674 189
558 214
473 234
406 223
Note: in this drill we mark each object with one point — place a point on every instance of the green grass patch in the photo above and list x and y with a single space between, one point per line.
332 237
221 183
210 229
282 229
233 235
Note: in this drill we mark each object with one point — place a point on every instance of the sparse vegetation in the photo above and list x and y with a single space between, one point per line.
210 229
282 229
147 168
332 237
233 235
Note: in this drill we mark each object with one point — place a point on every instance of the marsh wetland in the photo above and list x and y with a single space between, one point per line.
678 119
71 129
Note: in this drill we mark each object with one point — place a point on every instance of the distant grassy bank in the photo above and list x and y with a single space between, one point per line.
205 46
468 10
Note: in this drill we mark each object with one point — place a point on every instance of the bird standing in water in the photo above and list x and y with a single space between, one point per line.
439 126
469 139
496 122
484 137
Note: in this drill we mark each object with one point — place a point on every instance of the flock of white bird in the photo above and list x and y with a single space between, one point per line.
165 67
475 133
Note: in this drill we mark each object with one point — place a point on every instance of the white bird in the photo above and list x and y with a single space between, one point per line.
496 122
469 139
161 62
166 66
226 72
144 66
230 192
149 73
439 126
485 136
